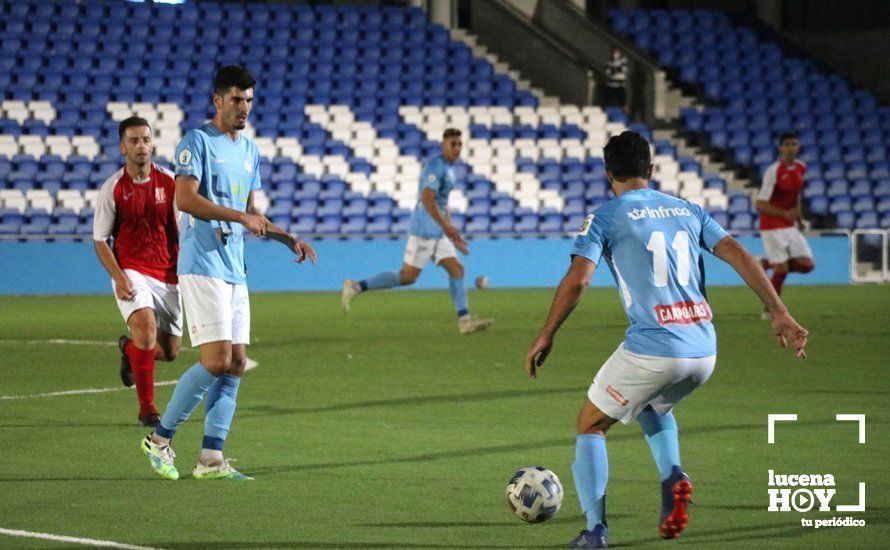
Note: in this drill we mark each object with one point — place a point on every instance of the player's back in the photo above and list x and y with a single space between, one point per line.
653 243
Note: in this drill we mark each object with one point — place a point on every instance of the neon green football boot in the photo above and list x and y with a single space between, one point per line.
220 470
161 458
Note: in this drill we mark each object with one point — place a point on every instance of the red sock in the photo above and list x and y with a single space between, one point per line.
778 279
143 363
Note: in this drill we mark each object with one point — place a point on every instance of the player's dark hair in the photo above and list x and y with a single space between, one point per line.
450 133
232 76
131 122
628 156
788 135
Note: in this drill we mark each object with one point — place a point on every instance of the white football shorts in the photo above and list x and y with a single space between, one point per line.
782 244
419 251
215 310
157 295
627 382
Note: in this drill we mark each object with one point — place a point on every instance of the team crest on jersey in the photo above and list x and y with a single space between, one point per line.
185 157
431 178
585 227
160 195
248 167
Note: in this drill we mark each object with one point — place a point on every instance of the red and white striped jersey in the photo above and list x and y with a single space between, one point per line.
781 188
142 218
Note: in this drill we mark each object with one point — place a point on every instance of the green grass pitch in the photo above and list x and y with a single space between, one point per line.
387 428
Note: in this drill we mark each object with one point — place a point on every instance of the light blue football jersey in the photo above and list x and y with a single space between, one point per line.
653 244
227 171
438 176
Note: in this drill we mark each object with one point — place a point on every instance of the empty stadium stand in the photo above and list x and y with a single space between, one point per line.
350 102
756 90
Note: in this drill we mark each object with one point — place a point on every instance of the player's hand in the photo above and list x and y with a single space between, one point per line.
303 250
788 331
792 214
255 223
455 237
537 354
123 288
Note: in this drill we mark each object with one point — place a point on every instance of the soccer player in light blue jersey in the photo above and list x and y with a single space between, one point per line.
217 173
653 244
431 236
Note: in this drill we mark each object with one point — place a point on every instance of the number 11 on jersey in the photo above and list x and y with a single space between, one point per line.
657 245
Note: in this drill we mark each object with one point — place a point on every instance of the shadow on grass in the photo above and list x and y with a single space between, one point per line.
564 519
565 442
268 410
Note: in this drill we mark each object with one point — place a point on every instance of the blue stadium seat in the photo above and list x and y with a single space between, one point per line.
846 220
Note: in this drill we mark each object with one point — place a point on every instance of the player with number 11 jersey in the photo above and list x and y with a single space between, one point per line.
653 244
643 235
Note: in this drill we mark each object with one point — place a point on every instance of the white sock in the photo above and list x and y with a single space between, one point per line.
159 441
210 456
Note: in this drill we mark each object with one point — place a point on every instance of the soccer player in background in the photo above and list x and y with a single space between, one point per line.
778 204
431 236
217 173
653 245
135 208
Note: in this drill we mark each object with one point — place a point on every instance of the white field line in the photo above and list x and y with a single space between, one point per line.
61 341
251 364
72 540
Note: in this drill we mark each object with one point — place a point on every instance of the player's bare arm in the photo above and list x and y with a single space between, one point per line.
568 295
123 288
302 249
188 200
764 207
428 199
785 327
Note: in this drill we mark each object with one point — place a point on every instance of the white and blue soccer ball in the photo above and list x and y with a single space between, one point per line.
534 494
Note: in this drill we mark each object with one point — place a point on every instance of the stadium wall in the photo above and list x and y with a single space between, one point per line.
67 267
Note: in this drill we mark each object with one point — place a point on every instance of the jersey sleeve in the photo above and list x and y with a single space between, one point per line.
591 239
431 177
190 156
768 184
105 211
255 182
711 231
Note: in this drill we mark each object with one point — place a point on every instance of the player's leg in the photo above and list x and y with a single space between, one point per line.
801 256
168 311
222 396
445 256
193 385
604 406
417 252
207 302
140 351
780 272
142 299
775 245
590 471
168 346
660 429
456 288
156 335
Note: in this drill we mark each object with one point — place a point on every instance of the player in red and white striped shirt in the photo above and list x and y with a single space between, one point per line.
778 203
135 208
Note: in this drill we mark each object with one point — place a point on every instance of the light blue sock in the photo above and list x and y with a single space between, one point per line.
384 279
189 390
458 296
661 435
220 407
591 473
